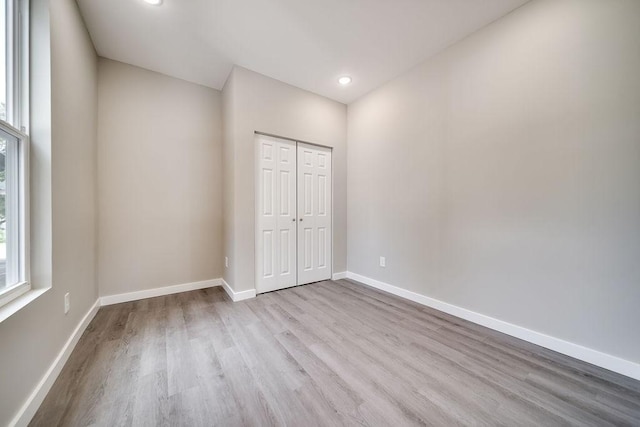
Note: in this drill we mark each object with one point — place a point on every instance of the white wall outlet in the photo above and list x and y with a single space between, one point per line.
67 303
383 261
226 261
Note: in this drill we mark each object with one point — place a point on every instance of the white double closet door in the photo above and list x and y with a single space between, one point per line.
293 234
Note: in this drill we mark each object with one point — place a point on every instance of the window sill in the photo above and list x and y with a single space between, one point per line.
17 304
8 295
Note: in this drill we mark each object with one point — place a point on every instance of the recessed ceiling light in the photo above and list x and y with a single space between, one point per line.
344 80
154 2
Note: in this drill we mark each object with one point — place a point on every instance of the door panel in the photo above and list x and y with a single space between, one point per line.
268 254
285 252
276 222
314 209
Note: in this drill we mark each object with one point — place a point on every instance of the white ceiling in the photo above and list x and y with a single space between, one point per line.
306 43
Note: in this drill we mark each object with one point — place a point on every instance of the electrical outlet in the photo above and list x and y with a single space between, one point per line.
226 262
67 303
383 261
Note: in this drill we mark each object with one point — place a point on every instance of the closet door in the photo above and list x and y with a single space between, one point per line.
314 213
276 214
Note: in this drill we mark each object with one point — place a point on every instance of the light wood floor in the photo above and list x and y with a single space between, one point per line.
331 353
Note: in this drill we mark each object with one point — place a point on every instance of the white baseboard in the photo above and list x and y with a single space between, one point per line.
603 360
238 296
157 292
340 275
28 410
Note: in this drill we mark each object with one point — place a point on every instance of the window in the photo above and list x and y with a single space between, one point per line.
14 151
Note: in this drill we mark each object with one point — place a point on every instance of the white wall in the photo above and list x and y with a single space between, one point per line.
259 103
160 180
502 175
64 203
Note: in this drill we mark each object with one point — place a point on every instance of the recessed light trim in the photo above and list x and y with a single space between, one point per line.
345 80
153 2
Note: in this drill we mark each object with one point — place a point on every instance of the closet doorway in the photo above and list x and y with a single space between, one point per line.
293 213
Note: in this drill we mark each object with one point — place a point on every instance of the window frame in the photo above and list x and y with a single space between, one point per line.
17 67
20 208
16 126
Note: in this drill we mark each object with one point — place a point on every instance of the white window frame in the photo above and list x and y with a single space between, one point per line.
17 72
17 125
17 207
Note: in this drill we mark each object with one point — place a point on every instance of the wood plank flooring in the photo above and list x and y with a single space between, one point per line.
330 354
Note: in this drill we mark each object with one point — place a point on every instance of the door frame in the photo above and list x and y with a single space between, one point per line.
256 210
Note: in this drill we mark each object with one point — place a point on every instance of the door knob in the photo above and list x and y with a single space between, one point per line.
294 220
300 219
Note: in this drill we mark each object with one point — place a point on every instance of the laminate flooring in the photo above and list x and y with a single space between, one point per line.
326 354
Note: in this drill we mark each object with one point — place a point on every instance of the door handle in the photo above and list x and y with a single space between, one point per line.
294 220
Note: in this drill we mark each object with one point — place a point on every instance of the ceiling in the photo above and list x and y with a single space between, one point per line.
306 43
